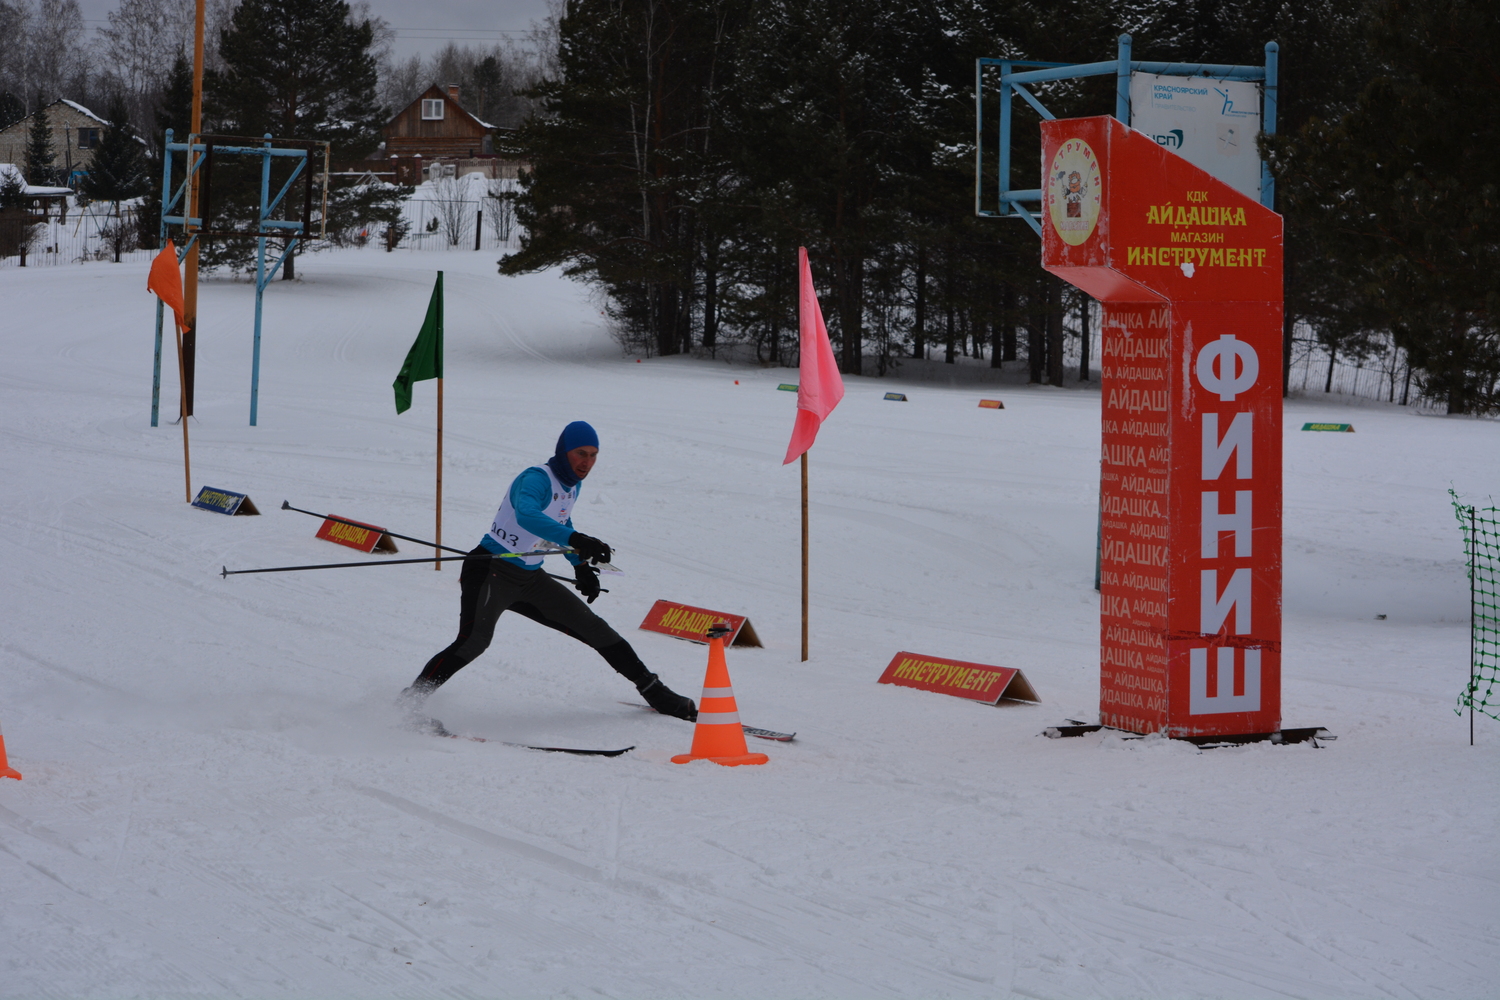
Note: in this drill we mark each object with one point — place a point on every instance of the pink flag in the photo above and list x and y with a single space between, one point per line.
819 387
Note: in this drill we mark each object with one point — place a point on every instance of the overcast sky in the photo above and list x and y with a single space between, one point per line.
420 27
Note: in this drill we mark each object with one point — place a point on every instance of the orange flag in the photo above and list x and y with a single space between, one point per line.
166 281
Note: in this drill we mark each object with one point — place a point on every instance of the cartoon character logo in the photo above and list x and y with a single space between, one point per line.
1074 190
1074 195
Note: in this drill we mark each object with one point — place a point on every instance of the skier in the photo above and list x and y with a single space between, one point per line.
536 511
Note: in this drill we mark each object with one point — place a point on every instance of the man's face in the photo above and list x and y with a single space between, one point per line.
582 459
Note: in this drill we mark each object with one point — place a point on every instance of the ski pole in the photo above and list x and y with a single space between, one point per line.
285 505
225 571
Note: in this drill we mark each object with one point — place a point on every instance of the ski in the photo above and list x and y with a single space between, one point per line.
527 746
763 734
768 734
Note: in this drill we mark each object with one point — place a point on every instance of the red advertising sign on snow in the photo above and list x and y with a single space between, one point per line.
1189 274
978 681
683 621
366 537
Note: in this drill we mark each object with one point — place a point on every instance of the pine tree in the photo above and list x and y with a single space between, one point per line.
832 129
621 152
39 152
118 169
297 69
174 108
686 148
1399 196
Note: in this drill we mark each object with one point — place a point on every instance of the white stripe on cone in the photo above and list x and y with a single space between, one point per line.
718 718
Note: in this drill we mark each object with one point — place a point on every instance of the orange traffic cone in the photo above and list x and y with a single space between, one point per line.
6 771
719 736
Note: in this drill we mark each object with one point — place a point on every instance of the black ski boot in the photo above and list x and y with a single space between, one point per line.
409 703
666 701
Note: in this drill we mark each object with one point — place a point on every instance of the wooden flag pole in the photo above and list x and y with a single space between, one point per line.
187 467
438 565
804 557
189 337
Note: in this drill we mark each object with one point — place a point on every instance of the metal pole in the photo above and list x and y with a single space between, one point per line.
156 368
225 572
1099 539
1003 170
260 278
190 278
286 505
1083 336
804 557
978 137
1473 607
1268 125
323 219
1122 81
441 347
187 466
260 289
166 192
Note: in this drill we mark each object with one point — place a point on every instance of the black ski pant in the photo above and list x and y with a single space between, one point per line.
491 586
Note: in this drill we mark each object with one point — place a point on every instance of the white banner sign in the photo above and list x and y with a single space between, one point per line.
1210 123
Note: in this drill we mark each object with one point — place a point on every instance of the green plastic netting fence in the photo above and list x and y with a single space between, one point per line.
1481 528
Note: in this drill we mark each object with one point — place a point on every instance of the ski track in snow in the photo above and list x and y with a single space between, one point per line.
217 803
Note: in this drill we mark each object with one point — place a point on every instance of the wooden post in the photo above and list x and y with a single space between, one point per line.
189 337
187 468
804 557
438 565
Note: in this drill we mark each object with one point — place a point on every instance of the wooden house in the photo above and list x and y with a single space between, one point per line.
434 127
76 133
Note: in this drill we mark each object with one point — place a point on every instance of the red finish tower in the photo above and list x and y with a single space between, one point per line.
1189 274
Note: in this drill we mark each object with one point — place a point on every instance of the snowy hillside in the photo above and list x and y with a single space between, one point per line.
217 803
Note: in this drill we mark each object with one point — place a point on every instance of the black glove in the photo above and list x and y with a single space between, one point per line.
589 548
587 579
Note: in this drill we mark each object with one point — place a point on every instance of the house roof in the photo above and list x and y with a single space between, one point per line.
10 171
80 109
83 111
72 105
435 91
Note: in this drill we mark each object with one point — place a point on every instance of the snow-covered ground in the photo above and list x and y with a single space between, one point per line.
216 802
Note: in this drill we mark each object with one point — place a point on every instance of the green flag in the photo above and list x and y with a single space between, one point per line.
425 359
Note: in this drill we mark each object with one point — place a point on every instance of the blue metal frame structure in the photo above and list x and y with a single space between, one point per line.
1013 82
267 228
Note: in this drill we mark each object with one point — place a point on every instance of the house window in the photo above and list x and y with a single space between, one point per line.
88 138
432 111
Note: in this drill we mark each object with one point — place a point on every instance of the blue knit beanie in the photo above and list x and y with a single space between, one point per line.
576 435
